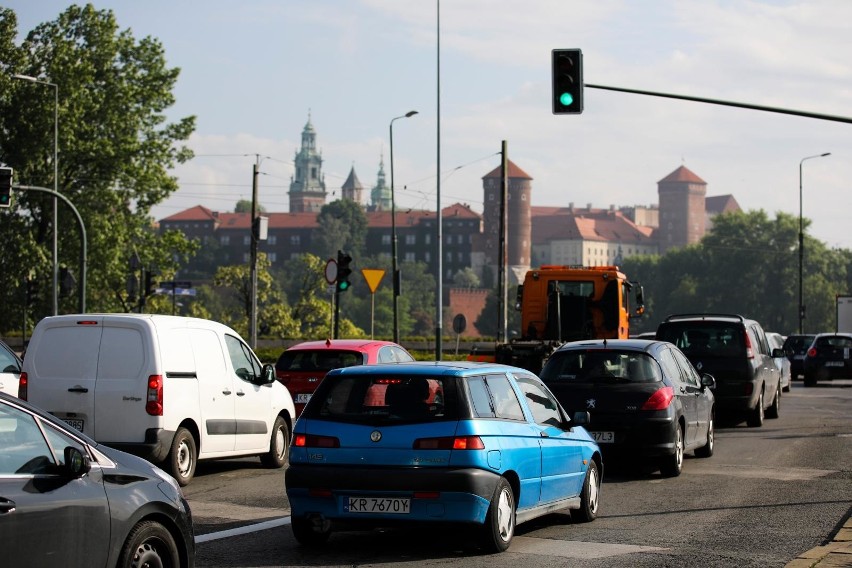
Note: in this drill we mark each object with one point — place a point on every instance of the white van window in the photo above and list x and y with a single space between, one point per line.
73 352
122 355
245 364
176 350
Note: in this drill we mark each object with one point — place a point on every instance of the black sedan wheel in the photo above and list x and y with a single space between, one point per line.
149 545
706 450
672 465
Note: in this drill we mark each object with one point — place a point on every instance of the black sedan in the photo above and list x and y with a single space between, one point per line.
796 348
829 357
645 398
67 501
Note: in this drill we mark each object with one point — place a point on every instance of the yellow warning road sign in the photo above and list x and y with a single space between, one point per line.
373 277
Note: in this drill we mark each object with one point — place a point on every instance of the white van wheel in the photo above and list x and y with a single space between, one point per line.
279 445
182 457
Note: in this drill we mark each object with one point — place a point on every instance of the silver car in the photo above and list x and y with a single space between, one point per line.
776 341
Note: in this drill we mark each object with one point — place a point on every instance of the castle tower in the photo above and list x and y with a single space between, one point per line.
380 195
518 222
307 187
352 188
682 209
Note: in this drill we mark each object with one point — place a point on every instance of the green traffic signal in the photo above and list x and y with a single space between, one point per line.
343 285
565 99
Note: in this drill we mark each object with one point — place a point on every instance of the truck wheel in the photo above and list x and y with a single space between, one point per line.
279 445
182 457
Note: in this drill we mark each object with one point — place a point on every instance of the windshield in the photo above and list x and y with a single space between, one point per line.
705 338
317 360
599 365
384 399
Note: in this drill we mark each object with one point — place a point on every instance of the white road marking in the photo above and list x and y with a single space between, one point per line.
243 530
764 472
574 548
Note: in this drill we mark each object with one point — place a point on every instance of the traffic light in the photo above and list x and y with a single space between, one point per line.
32 290
150 284
343 271
567 81
5 187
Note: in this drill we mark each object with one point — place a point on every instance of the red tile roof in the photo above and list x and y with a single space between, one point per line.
514 172
682 174
197 213
610 226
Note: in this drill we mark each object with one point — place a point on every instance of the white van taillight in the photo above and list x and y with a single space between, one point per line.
22 386
154 404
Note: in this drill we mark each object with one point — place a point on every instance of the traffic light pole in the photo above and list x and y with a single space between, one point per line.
726 103
82 301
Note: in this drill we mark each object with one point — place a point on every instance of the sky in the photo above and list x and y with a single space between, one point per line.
478 72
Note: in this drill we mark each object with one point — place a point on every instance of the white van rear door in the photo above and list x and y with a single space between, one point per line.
61 365
125 363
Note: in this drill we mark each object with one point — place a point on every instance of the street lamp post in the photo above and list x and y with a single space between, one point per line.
55 182
393 236
802 243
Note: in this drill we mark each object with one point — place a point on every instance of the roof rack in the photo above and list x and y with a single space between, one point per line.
674 317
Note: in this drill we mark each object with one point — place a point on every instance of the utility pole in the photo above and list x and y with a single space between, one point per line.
255 230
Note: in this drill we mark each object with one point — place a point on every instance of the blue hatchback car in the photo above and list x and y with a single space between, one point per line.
482 445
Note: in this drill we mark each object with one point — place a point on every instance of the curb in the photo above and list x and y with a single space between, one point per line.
835 554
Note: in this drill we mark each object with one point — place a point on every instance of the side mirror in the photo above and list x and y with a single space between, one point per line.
581 419
267 374
707 381
777 352
76 463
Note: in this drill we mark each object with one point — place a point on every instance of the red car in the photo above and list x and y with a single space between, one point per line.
301 367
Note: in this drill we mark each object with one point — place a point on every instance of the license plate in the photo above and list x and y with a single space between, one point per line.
799 357
603 437
834 363
75 423
383 505
303 398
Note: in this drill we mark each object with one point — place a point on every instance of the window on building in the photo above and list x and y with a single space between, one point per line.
295 240
273 240
386 240
410 257
225 240
313 173
427 257
411 239
246 257
427 238
247 240
272 256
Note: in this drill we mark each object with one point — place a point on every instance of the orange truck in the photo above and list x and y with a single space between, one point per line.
569 303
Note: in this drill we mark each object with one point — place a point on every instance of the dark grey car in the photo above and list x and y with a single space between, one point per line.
67 501
736 352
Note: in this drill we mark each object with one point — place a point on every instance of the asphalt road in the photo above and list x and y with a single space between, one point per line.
766 495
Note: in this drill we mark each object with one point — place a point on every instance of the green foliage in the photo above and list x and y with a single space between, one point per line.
115 149
488 320
747 264
342 226
244 206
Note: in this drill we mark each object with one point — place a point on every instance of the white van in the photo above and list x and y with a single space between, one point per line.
170 389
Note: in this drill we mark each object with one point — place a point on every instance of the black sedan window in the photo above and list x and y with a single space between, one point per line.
600 365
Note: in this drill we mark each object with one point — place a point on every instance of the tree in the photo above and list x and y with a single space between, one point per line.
748 265
342 226
273 314
115 150
244 206
466 278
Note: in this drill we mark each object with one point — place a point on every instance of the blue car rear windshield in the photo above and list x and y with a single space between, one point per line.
384 399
